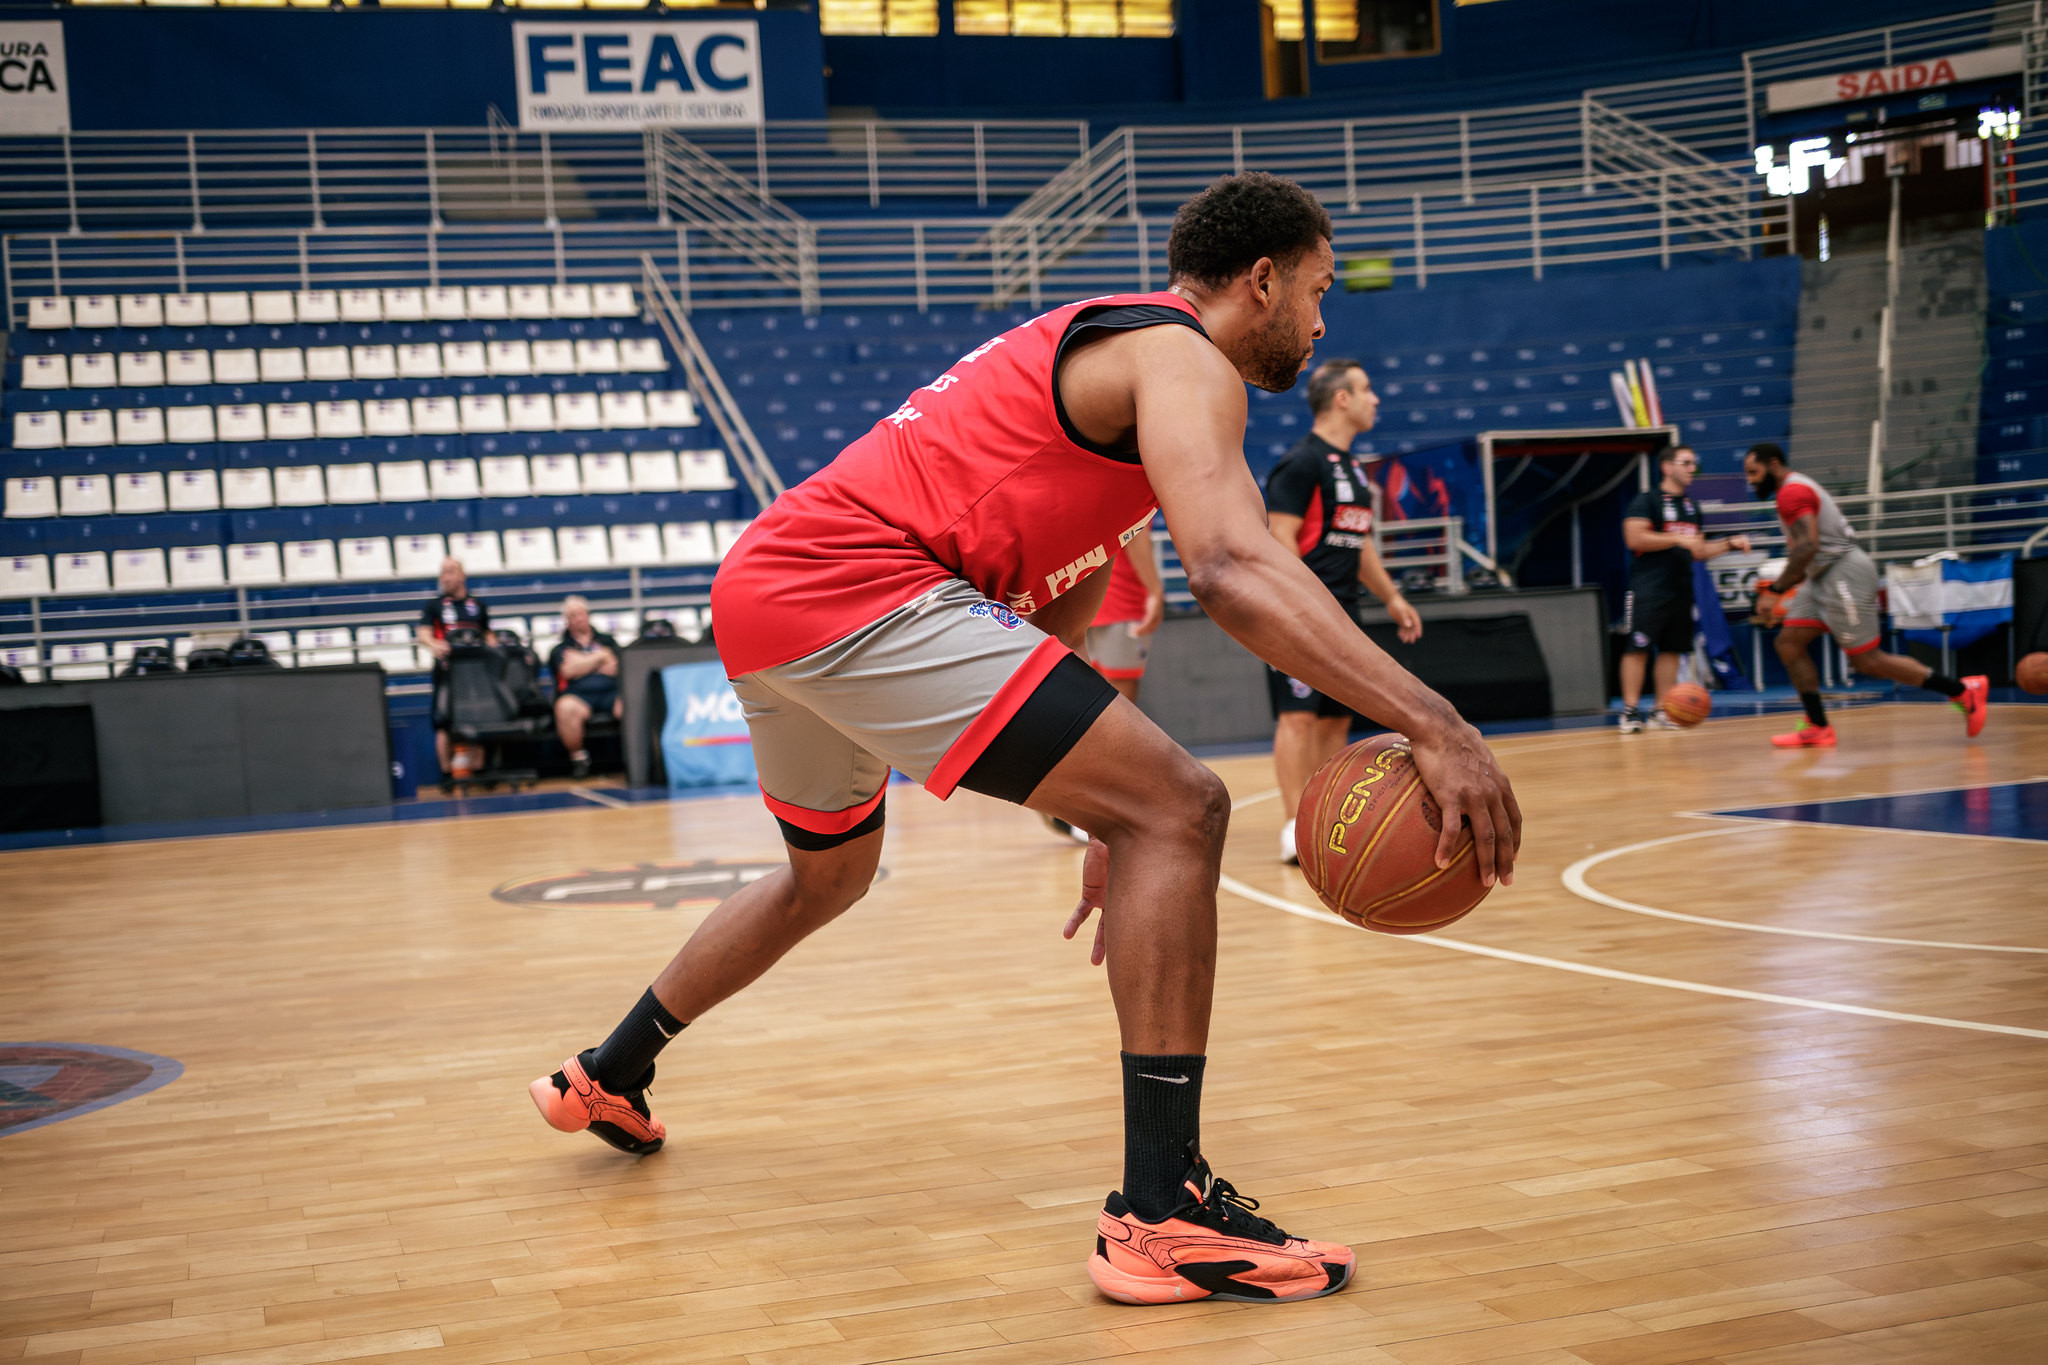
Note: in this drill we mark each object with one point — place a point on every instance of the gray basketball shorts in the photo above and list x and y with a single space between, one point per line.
1842 599
1116 653
951 690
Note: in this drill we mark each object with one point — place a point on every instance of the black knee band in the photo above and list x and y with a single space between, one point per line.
798 837
1049 723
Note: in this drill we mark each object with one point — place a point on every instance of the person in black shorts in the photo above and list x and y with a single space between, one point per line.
453 609
1319 505
1663 530
585 667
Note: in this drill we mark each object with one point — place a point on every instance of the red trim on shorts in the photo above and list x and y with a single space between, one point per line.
1861 649
986 726
1802 621
825 821
1113 674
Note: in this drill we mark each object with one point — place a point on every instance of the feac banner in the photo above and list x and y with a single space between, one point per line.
577 76
35 91
1878 82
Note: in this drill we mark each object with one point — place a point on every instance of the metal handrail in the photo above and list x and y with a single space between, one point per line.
1984 518
709 387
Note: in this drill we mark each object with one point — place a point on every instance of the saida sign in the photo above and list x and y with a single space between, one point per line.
35 89
699 73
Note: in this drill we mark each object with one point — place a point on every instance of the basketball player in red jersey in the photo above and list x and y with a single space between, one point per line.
1120 637
916 605
1837 585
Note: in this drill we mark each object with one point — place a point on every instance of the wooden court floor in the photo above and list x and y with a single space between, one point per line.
893 1147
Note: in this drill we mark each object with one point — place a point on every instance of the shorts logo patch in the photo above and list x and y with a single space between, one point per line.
997 612
1639 641
1300 689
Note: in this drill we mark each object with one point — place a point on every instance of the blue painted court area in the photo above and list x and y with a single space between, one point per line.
2008 810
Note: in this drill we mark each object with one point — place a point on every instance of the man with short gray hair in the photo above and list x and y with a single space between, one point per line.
585 667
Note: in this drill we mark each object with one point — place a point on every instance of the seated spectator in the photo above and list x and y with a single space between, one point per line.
452 610
585 667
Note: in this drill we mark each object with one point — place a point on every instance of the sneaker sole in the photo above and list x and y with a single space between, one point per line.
1146 1291
561 1117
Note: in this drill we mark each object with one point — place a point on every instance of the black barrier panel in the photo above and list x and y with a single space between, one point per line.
49 769
1489 667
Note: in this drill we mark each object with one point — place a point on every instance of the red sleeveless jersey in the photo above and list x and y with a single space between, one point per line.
979 476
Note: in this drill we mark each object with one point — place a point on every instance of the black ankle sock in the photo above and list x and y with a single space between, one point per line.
1815 712
1162 1116
622 1059
1944 684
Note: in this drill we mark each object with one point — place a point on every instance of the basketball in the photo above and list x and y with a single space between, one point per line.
1688 704
2032 674
1367 836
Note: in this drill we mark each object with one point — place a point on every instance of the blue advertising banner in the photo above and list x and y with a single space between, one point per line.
704 741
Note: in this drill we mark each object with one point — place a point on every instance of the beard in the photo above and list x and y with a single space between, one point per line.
1766 487
1275 354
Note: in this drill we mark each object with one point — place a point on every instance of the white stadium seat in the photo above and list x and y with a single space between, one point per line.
188 426
273 308
257 565
606 472
554 357
33 496
623 409
281 365
613 301
577 412
142 310
654 471
327 363
93 370
402 481
464 360
583 547
419 361
141 369
338 419
505 476
726 532
80 573
45 370
24 576
597 355
95 310
228 310
387 417
508 357
570 301
488 303
530 301
239 422
193 490
530 548
405 305
688 542
481 412
139 493
242 488
361 305
140 571
279 643
288 421
445 304
49 315
530 412
351 484
85 495
79 662
642 355
139 426
556 474
374 362
299 485
318 306
636 545
189 367
184 310
310 561
671 408
325 645
453 479
235 367
417 556
197 566
38 430
703 471
88 427
436 416
478 550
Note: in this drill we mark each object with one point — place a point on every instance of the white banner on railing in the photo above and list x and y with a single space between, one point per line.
1878 82
609 76
35 90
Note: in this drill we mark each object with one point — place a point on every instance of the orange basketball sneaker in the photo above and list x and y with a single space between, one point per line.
1976 692
1213 1246
1807 736
572 1100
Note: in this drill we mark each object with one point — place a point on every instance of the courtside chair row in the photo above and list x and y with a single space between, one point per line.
346 418
366 559
240 308
47 370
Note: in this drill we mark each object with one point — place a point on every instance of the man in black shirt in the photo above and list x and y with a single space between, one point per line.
1662 528
1319 505
585 667
452 609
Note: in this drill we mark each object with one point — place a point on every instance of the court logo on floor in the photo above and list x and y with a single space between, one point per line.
46 1082
645 886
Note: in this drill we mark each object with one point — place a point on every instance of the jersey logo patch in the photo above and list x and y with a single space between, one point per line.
997 612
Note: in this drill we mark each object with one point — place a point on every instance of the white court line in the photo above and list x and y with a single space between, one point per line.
1575 882
1238 888
601 799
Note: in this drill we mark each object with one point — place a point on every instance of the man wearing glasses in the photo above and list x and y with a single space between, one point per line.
1663 529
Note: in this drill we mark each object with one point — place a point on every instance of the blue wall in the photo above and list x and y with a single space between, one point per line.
350 68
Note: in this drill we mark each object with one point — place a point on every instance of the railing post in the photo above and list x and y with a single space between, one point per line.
547 182
917 264
1536 240
192 178
305 265
807 267
1130 176
1237 149
1664 218
1031 259
761 161
178 242
561 256
7 279
433 183
57 268
1350 169
683 268
1465 155
1144 258
981 166
874 169
70 185
1586 142
433 258
1421 262
652 151
1948 521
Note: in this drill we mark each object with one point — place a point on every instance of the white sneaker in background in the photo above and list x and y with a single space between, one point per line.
1287 843
1659 721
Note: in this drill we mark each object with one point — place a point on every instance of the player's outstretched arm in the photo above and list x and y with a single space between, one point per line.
1190 410
1802 542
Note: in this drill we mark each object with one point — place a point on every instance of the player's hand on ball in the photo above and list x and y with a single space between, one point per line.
1770 607
1094 882
1459 771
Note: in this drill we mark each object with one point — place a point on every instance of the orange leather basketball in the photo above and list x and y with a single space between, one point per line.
1366 835
1688 704
2032 673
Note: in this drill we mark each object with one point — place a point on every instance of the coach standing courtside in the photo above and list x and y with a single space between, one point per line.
453 609
1662 528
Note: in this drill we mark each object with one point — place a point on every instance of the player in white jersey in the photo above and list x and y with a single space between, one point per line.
1837 595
